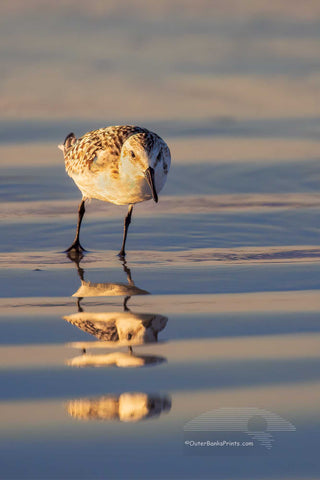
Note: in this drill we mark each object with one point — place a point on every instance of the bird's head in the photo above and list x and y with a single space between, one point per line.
140 156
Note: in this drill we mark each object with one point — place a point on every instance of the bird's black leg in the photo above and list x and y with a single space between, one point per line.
76 245
127 222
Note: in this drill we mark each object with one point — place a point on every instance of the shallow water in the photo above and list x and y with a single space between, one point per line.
103 363
236 276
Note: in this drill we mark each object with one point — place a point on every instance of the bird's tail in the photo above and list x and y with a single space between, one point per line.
69 141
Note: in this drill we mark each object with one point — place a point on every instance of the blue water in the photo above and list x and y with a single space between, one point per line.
230 263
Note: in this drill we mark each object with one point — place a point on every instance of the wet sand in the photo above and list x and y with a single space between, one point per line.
238 282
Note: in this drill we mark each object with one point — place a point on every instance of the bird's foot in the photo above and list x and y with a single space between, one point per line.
76 247
122 255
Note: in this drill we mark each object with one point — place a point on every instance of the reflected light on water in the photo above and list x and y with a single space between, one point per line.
127 407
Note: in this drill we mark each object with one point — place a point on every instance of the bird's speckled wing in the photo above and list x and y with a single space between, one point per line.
106 331
98 149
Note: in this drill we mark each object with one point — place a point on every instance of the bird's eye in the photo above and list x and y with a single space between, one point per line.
132 154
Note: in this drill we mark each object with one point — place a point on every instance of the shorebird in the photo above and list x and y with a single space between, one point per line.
123 165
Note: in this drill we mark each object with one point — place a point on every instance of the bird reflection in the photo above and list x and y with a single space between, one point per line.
117 359
90 289
114 329
120 328
127 407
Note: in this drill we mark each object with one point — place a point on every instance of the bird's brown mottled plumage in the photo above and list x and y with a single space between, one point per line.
106 331
82 154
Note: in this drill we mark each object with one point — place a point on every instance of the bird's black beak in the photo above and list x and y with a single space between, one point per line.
149 174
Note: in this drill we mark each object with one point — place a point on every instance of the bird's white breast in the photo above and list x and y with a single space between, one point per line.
123 190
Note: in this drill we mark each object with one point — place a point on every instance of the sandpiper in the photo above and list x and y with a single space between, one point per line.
123 165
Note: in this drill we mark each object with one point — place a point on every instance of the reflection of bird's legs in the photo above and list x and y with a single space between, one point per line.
130 350
76 245
76 259
80 309
127 222
125 301
127 270
79 270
